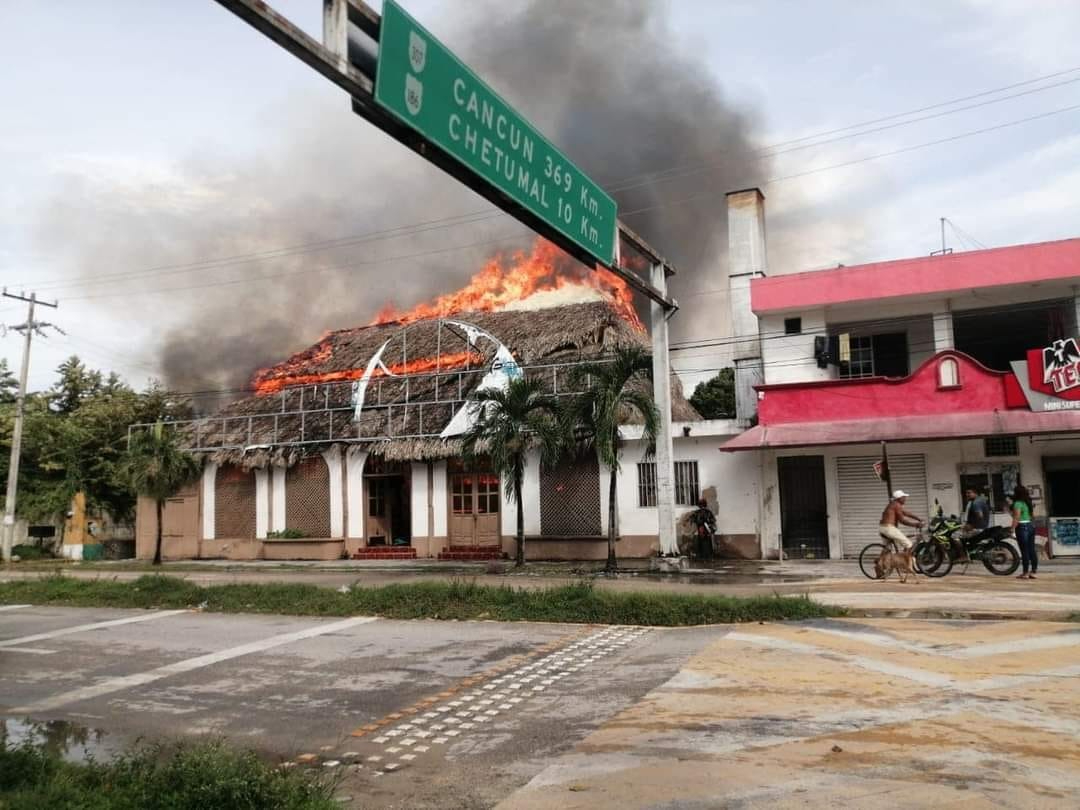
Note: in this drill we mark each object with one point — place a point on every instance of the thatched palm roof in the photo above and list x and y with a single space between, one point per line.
265 428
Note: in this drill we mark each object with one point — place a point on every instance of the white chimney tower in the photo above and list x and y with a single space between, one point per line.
746 261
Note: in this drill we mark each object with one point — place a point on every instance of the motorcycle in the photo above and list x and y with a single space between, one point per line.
989 546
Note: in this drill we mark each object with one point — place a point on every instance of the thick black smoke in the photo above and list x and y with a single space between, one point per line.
608 82
628 104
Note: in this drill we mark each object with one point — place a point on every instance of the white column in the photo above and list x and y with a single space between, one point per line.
419 499
943 330
337 501
209 477
354 490
277 499
665 468
531 494
262 502
439 499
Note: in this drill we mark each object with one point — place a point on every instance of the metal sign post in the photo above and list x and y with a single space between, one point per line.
350 57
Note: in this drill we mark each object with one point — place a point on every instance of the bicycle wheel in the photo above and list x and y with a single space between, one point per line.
1000 558
868 556
932 559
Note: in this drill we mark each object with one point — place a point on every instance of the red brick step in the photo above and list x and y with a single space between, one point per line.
385 553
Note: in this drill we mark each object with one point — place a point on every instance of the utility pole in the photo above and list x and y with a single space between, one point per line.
28 328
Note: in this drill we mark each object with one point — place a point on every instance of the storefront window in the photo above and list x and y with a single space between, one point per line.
995 481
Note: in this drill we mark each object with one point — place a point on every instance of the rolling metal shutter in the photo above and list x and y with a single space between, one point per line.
863 497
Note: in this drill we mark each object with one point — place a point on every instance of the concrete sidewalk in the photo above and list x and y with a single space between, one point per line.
975 593
842 714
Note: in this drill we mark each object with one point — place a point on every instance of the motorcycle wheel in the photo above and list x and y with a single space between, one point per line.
1000 558
868 556
932 559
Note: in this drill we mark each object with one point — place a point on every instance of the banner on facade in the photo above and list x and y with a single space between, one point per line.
1050 377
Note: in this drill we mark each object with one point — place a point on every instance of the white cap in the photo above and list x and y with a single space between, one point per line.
899 494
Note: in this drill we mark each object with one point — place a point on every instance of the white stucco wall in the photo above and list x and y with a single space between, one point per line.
333 460
418 503
262 502
277 499
209 478
790 358
354 491
733 475
440 499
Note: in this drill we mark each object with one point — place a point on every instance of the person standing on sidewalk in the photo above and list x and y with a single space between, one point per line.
704 523
1024 531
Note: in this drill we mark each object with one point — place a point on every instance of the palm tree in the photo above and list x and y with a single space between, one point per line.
509 422
613 391
157 467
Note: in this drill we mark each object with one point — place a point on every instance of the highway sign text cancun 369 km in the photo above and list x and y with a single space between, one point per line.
422 83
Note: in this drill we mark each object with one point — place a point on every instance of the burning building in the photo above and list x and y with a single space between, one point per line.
350 447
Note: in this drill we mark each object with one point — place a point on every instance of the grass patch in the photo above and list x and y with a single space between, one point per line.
203 776
576 603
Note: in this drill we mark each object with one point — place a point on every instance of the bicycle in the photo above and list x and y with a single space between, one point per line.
925 552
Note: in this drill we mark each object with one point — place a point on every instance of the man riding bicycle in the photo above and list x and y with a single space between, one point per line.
895 515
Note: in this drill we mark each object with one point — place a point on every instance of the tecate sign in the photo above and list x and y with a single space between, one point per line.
1050 377
1060 368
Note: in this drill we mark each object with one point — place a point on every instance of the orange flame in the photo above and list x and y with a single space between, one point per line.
508 280
271 380
502 281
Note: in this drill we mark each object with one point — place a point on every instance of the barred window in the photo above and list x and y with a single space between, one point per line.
1001 446
686 483
646 484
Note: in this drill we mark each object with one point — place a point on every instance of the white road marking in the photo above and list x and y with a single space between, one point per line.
111 685
82 628
1063 639
872 664
13 607
29 650
1070 638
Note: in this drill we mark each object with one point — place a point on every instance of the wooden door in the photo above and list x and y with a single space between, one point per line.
474 509
803 514
488 531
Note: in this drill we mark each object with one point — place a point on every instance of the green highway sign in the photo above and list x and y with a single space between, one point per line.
424 85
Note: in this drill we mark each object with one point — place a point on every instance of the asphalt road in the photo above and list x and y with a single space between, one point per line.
414 714
851 713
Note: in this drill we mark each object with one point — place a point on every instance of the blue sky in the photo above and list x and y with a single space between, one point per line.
111 109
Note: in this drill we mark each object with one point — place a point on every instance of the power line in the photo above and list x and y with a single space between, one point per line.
878 156
480 215
772 151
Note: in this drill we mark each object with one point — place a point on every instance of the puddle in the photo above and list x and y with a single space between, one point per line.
74 742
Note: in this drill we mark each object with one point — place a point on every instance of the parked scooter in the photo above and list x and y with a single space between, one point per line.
988 545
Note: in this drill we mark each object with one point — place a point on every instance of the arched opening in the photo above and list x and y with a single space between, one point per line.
948 373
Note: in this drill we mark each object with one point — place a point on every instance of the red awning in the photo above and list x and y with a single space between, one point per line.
906 429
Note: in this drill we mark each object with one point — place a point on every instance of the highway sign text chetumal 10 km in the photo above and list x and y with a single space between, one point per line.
429 89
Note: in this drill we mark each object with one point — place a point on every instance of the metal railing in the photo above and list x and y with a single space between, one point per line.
414 406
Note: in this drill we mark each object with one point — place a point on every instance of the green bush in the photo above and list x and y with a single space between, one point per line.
203 776
576 603
285 534
24 552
